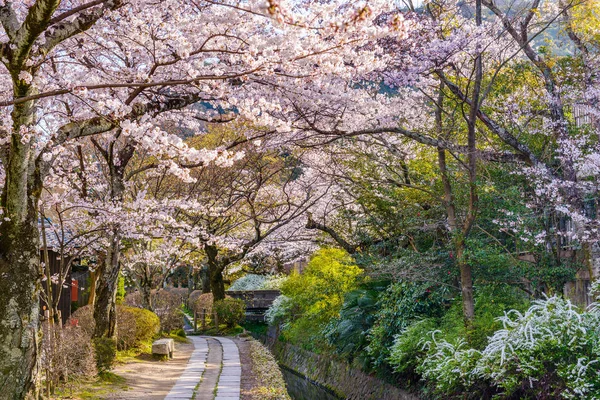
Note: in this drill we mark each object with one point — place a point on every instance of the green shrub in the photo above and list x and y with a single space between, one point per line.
317 295
398 307
106 353
135 326
548 352
347 333
230 311
408 349
120 289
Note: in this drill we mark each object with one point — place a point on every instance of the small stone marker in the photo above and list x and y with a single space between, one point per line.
163 347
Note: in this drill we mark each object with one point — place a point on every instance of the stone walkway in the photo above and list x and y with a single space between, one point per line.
185 385
206 389
213 372
228 387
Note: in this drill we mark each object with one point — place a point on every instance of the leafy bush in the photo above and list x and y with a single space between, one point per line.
230 312
399 306
347 333
408 349
120 290
167 305
274 282
248 282
550 351
135 326
106 352
316 296
279 310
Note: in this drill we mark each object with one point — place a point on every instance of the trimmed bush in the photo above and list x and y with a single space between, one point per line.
194 297
135 326
84 319
230 311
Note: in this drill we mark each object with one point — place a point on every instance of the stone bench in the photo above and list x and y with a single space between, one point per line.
163 347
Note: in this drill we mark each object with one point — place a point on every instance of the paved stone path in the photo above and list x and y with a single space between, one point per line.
228 387
206 389
213 369
185 385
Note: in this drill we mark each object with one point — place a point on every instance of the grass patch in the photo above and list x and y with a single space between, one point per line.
135 354
176 336
92 389
222 330
257 328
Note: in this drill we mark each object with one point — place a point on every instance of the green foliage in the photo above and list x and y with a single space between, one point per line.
347 333
230 311
400 305
106 353
120 289
549 351
316 296
408 348
135 326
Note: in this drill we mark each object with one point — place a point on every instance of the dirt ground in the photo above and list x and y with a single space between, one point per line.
248 381
149 379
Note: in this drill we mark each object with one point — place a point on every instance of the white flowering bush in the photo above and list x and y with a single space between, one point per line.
274 282
550 351
258 282
279 310
449 367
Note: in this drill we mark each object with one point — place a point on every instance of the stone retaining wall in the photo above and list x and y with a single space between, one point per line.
337 375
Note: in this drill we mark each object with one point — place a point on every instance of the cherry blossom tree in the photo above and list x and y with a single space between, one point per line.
74 69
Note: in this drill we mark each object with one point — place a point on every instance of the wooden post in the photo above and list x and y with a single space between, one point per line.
203 319
48 323
195 321
216 319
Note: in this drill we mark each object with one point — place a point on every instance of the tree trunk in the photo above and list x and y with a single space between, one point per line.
106 290
217 286
19 307
146 292
93 280
20 272
205 278
466 284
215 272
